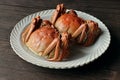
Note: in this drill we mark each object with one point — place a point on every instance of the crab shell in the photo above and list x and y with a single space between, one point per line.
68 23
41 38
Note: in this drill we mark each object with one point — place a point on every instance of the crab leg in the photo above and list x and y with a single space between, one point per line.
50 47
89 40
26 34
81 30
93 32
65 51
57 51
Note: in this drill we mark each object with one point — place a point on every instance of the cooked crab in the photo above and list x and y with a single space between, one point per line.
45 40
84 31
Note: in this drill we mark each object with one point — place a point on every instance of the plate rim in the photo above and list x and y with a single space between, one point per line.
54 67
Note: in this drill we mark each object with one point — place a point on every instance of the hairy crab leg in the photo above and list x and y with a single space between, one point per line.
83 35
57 51
93 32
89 40
65 50
50 46
26 34
81 30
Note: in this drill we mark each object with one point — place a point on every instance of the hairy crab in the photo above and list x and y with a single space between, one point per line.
50 39
42 38
84 31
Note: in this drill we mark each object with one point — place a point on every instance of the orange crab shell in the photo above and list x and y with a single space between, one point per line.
41 38
68 23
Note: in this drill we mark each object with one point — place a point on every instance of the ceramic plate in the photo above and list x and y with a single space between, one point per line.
79 55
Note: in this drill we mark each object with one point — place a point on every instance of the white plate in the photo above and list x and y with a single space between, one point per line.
80 55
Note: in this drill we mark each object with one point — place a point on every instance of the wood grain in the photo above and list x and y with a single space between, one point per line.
107 67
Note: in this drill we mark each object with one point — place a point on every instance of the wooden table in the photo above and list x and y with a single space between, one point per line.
106 67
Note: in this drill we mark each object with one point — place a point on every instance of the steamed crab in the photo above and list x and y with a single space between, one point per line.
50 39
43 39
84 31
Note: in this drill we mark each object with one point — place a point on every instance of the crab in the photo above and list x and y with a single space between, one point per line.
85 32
42 38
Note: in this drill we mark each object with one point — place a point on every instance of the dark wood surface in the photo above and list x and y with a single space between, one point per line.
106 67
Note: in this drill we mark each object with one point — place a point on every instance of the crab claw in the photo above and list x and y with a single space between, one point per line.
57 13
35 23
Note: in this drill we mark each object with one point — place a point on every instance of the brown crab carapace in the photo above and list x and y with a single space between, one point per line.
42 38
84 31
